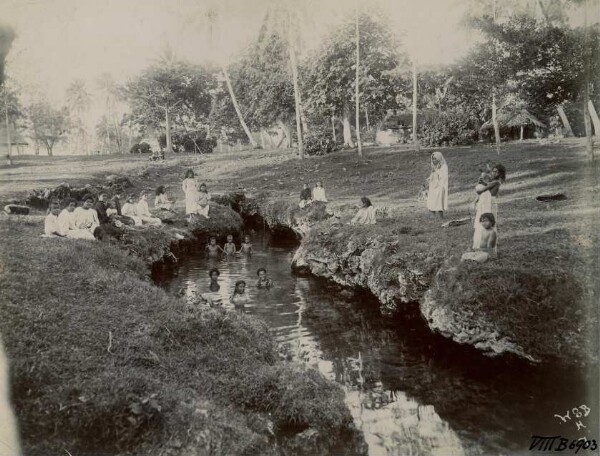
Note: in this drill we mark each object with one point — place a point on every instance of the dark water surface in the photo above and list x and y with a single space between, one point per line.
411 392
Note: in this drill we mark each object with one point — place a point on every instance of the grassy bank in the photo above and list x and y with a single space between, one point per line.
105 362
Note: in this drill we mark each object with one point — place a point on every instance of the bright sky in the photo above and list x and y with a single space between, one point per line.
62 40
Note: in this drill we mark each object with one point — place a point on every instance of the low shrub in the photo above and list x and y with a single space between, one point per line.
448 128
319 141
190 142
141 148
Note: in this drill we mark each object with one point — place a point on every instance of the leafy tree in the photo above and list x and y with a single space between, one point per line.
79 101
263 82
176 92
48 124
330 74
7 36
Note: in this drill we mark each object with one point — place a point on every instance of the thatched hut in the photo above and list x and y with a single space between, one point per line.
515 119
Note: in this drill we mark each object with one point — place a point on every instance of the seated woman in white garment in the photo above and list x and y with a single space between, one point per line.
130 210
161 201
143 211
75 225
365 214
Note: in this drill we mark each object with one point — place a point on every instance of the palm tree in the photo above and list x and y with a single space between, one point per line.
108 88
78 101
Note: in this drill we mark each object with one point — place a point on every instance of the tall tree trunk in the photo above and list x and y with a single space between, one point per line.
168 131
495 122
357 91
521 134
8 140
346 123
589 145
107 137
118 138
297 100
595 119
565 120
333 128
236 106
367 119
414 107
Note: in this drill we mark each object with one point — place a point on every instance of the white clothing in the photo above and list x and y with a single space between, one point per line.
143 212
130 210
318 194
51 226
110 212
202 206
67 225
162 202
191 195
365 216
9 438
437 198
86 219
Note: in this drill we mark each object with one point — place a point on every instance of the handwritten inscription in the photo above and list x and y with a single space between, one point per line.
559 443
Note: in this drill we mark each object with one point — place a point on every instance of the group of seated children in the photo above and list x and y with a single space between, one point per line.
214 250
307 196
96 220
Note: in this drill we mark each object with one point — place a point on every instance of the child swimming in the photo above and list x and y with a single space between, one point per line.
263 281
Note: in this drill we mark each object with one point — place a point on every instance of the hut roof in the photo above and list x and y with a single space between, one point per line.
514 119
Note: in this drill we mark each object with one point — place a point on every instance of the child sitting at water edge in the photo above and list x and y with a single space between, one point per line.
212 248
246 247
305 196
318 193
203 198
486 247
263 281
239 297
130 210
229 248
85 217
366 214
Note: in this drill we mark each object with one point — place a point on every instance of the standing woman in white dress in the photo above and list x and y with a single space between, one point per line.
191 193
437 198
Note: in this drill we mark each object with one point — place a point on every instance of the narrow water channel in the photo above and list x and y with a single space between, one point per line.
410 392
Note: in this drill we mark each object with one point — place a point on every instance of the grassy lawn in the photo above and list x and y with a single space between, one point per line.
104 361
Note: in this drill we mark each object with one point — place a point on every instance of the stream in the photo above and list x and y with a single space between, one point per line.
410 392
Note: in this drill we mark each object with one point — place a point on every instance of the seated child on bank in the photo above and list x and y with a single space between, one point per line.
51 224
202 201
246 247
212 248
318 193
486 248
229 248
143 211
161 201
263 281
305 196
130 210
366 214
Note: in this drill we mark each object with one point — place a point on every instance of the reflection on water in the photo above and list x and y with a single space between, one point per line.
409 391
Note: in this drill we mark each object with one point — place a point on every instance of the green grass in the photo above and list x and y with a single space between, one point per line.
103 361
